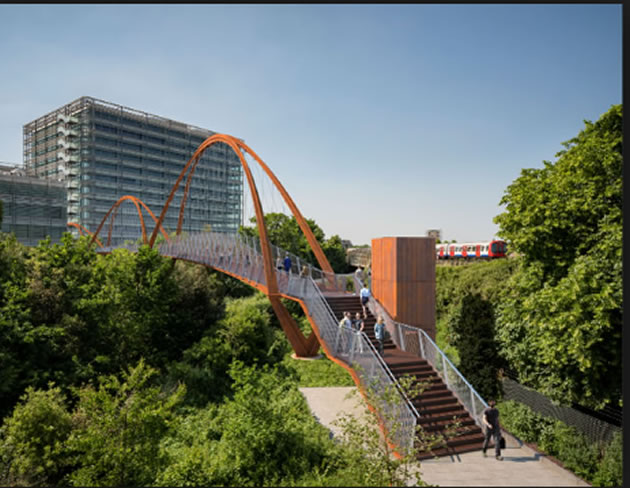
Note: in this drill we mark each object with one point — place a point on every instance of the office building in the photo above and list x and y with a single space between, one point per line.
103 151
33 208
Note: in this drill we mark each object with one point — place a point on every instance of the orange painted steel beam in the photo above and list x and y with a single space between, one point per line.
306 230
82 230
180 220
137 202
294 334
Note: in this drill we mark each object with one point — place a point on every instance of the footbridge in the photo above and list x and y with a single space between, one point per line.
323 297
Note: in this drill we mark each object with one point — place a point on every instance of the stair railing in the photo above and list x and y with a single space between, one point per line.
241 255
417 341
357 351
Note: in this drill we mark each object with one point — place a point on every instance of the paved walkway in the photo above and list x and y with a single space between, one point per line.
521 466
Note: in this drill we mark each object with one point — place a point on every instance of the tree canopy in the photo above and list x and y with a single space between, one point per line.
560 323
283 231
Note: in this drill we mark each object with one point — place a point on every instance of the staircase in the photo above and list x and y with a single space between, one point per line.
436 405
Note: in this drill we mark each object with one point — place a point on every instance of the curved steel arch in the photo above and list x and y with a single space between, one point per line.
82 230
137 202
301 345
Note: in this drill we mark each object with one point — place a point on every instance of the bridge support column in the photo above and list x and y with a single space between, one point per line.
303 347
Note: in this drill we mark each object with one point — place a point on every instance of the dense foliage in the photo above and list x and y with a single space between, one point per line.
68 315
133 369
467 298
600 465
560 324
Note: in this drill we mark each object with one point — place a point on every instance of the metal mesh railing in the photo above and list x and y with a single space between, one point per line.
416 341
356 350
595 429
241 256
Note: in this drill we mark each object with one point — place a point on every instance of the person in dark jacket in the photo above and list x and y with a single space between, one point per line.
491 423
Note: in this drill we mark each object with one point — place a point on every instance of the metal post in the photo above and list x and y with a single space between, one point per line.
401 337
444 369
421 342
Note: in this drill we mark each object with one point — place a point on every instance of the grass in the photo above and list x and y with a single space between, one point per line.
319 372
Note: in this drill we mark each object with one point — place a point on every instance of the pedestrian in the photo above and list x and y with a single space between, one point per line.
358 274
279 264
491 423
365 298
358 325
287 263
379 333
344 323
304 273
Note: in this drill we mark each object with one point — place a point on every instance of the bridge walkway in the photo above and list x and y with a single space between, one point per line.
323 298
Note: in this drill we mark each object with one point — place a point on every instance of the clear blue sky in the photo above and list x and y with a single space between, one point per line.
379 120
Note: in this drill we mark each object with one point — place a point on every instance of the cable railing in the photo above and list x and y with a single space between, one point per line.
417 341
241 256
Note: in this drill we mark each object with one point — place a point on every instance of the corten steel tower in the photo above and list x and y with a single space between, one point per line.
103 151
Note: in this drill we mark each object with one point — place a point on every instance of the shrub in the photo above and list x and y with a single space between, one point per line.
567 444
610 472
32 438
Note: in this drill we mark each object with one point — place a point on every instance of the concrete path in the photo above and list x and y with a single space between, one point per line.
521 466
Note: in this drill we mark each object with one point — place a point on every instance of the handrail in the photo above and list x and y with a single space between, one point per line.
379 358
376 307
239 255
393 378
448 361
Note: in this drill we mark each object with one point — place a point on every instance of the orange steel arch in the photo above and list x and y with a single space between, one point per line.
137 202
82 230
301 345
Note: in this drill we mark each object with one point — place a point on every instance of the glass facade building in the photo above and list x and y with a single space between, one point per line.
33 208
103 151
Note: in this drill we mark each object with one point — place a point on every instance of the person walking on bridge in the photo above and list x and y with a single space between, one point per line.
359 274
358 325
344 323
491 422
379 333
365 298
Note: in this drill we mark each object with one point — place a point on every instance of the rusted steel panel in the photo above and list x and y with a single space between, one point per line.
403 279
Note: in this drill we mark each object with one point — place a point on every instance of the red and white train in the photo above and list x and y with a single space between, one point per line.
471 250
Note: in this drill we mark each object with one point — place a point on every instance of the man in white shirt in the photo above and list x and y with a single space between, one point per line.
365 297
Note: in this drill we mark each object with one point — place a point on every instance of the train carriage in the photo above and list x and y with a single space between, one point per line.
472 250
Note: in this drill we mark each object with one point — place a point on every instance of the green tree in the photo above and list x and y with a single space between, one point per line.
264 435
118 429
284 232
336 254
560 323
248 333
478 357
32 439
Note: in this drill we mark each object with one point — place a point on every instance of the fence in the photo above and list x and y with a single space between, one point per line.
595 429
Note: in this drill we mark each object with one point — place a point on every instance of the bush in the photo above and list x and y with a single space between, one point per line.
31 440
565 443
610 471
